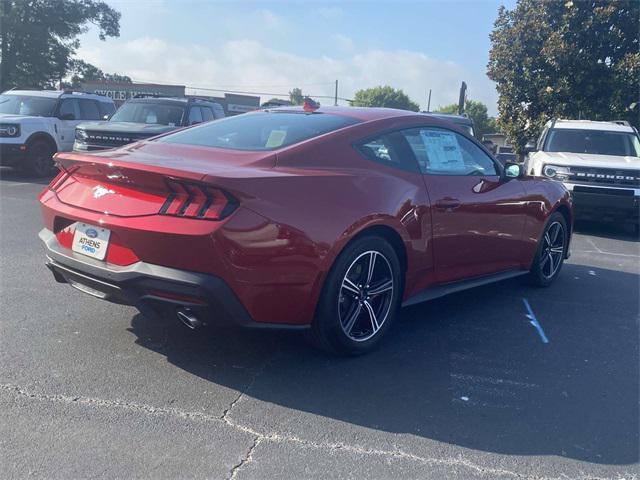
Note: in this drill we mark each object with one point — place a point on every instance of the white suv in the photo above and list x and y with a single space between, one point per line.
36 124
599 162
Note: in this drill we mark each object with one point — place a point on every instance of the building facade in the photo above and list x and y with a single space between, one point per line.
233 104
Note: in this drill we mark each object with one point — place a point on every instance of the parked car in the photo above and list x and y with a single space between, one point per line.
504 149
599 162
143 117
321 219
503 158
461 121
36 124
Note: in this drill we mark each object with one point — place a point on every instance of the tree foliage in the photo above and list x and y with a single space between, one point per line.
384 96
81 72
39 37
570 59
296 97
477 111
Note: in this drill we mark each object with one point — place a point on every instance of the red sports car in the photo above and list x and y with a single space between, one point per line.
326 219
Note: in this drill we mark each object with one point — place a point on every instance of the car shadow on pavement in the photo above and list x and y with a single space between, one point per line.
13 175
468 369
607 230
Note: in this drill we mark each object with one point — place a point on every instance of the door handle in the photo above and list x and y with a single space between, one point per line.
448 203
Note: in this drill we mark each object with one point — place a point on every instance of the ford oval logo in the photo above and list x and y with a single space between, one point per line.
91 233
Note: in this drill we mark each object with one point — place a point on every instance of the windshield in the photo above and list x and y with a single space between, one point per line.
151 113
27 105
260 131
598 142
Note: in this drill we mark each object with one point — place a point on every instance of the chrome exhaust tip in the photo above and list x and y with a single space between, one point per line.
187 317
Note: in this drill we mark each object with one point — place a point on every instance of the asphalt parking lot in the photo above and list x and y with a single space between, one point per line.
464 387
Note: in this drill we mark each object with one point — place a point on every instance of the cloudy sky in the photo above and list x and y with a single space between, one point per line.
272 47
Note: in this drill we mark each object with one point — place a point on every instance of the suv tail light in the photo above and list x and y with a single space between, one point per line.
194 200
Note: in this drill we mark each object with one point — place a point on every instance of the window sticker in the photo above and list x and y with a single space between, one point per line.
276 138
443 151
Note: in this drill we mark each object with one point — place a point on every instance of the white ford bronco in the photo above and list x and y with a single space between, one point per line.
36 124
599 162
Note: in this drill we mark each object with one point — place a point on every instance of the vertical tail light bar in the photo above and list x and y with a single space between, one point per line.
194 200
58 180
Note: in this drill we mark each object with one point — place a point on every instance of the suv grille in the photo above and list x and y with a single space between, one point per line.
111 139
605 176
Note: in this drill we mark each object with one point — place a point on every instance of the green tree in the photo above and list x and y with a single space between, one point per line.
296 97
384 96
477 111
570 59
39 37
82 71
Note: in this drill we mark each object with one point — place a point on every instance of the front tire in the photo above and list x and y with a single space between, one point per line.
360 298
551 252
39 158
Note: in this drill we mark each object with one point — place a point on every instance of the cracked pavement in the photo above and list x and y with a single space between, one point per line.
463 388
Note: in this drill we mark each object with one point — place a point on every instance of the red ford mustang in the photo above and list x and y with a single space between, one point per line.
326 220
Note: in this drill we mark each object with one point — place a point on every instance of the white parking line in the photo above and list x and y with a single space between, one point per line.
534 321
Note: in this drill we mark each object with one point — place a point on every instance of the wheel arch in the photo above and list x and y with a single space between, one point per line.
564 210
397 238
389 234
42 136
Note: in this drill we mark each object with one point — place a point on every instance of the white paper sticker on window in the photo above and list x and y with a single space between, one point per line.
443 151
276 138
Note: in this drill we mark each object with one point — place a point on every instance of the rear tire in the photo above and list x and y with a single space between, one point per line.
39 160
551 252
358 303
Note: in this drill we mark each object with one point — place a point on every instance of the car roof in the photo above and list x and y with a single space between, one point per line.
175 100
592 125
58 94
35 93
360 113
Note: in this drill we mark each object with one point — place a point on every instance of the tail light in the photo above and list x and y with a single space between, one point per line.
194 200
58 180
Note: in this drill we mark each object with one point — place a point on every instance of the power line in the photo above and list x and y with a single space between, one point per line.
243 92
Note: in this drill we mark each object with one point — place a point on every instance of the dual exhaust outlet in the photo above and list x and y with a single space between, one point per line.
188 318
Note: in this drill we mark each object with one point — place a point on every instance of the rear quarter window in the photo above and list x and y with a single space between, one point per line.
260 131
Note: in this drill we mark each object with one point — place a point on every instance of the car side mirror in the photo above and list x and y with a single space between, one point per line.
67 116
530 147
512 170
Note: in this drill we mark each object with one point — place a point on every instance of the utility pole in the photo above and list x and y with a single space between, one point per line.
429 102
463 98
335 103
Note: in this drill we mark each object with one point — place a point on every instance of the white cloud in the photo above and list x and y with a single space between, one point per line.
330 13
270 19
344 43
248 65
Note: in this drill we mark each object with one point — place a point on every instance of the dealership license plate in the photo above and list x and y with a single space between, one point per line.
91 240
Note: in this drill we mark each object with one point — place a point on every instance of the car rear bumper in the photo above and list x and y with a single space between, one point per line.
12 154
153 289
605 203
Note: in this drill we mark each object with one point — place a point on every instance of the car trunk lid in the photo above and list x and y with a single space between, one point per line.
140 179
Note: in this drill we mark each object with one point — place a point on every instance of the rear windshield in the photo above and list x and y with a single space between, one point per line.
597 142
150 113
260 131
